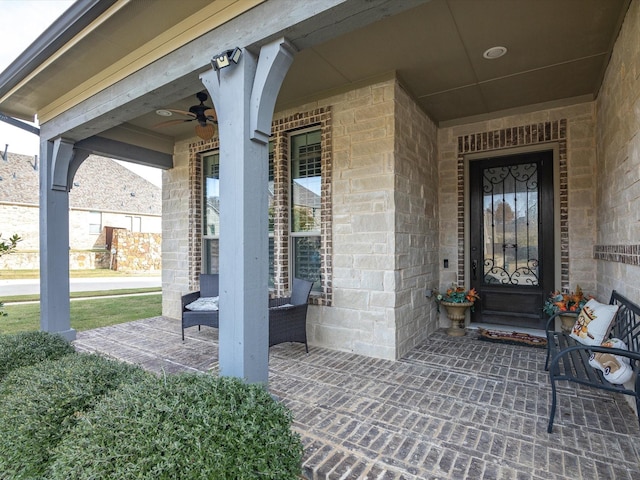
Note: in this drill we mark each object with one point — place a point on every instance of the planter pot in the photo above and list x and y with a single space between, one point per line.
567 322
456 313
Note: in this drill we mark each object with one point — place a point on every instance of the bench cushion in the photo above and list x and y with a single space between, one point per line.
594 322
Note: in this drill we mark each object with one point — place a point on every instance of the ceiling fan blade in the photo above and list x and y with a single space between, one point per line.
168 123
210 113
181 112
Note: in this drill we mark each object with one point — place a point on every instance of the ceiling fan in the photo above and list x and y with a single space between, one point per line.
203 114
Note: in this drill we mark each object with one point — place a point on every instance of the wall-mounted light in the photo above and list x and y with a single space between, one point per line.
225 59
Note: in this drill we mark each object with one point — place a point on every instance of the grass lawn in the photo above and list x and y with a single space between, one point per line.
85 314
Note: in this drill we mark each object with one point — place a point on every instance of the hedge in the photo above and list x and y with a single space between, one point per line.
29 348
67 415
187 426
42 403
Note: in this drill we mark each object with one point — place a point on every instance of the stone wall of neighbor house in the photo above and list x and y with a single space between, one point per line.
83 237
78 260
416 223
24 221
136 252
572 130
618 166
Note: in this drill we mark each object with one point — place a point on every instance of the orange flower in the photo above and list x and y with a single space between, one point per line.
472 295
561 305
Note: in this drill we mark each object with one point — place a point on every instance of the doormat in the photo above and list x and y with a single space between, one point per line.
511 338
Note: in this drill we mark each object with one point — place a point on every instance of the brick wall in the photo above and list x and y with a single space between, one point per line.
618 166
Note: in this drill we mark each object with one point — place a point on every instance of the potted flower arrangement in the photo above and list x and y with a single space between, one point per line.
456 300
566 305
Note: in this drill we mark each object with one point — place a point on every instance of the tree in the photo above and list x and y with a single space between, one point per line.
7 247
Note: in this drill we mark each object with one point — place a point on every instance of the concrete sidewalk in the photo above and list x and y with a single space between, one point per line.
32 286
454 408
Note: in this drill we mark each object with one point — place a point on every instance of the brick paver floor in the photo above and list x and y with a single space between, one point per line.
453 408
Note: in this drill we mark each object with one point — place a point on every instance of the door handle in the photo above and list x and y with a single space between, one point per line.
474 268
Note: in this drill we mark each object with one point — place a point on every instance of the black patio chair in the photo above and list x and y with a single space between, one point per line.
288 315
209 318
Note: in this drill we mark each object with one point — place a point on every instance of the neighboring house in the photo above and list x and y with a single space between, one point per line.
104 196
395 149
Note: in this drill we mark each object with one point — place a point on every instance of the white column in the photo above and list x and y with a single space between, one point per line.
244 96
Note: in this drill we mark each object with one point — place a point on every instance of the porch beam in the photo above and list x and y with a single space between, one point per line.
126 151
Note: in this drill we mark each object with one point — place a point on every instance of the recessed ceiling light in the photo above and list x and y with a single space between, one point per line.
494 52
164 113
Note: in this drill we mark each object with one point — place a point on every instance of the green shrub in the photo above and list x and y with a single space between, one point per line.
28 348
187 426
41 403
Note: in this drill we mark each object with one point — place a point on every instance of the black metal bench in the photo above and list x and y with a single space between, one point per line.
568 359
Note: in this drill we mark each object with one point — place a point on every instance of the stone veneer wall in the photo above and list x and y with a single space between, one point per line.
362 316
175 231
416 222
618 167
384 231
572 129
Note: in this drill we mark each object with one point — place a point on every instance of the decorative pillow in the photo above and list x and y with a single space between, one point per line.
594 322
615 369
203 304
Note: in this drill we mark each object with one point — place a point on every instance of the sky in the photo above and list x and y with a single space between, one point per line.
22 22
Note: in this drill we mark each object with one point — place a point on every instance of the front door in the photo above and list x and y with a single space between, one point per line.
511 237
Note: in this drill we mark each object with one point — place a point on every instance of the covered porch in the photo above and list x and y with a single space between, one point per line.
452 408
403 103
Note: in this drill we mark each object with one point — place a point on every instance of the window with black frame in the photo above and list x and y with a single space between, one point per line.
303 198
306 195
211 212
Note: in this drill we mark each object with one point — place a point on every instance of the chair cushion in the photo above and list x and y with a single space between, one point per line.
594 322
286 305
203 304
